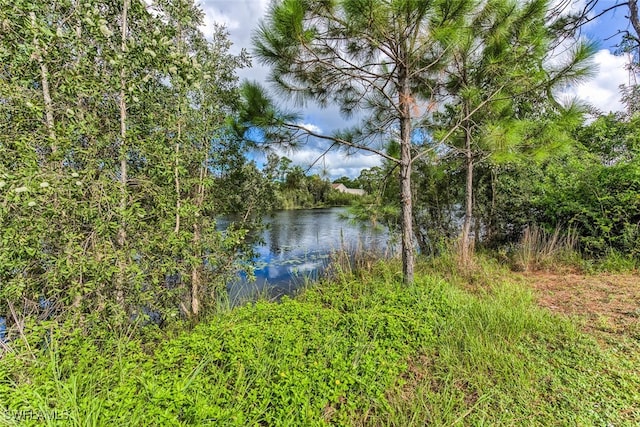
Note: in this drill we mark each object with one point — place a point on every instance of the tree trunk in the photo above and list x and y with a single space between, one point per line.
405 177
492 231
196 269
46 91
48 103
176 176
634 16
196 273
407 213
122 233
186 304
465 238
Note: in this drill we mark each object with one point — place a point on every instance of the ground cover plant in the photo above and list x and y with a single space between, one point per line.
362 349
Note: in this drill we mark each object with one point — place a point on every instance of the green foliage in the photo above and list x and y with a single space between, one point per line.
354 351
437 204
337 198
294 189
617 262
110 129
593 189
380 206
500 93
613 138
254 356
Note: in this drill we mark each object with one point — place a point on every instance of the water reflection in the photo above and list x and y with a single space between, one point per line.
297 245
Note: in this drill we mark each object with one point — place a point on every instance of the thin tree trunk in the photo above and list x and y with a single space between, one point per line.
465 240
185 300
176 176
196 270
634 16
491 233
46 91
186 304
405 178
122 233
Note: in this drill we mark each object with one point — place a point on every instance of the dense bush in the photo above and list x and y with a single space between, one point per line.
593 191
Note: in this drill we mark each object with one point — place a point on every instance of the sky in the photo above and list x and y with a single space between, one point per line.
241 18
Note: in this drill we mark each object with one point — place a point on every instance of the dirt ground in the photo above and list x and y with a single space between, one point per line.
604 302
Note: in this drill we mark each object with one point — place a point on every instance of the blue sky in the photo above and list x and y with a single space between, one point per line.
242 16
602 91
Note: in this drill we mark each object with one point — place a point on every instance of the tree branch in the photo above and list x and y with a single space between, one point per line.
459 124
336 140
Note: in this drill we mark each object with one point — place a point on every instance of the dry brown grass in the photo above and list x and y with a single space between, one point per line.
539 248
604 302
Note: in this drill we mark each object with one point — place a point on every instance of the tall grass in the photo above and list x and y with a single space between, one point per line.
539 248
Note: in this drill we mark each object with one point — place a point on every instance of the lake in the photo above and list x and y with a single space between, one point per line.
298 245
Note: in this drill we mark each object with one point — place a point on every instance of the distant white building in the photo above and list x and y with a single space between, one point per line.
355 191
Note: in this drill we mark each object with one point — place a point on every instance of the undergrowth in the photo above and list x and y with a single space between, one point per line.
558 250
361 349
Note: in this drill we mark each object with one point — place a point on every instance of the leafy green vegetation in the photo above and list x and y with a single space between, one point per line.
128 201
126 142
585 192
591 191
295 189
362 349
115 150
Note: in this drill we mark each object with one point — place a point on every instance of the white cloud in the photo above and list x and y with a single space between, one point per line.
335 163
239 17
311 127
603 91
213 16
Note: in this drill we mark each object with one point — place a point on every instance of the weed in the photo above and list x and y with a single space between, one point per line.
359 349
539 248
617 262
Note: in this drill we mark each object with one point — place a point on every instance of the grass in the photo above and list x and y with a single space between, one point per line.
539 249
357 350
542 250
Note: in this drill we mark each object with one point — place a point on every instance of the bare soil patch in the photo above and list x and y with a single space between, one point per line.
605 302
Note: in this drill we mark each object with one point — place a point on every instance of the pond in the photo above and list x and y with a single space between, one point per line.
297 246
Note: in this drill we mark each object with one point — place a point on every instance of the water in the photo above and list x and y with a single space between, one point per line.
298 244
